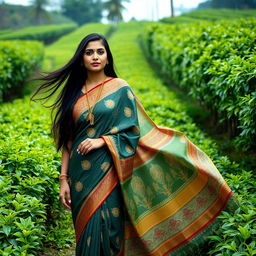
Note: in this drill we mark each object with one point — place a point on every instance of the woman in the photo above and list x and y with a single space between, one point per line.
134 188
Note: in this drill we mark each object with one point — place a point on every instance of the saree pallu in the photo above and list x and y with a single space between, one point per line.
148 190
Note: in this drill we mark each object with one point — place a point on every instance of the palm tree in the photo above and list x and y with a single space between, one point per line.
172 9
39 10
115 8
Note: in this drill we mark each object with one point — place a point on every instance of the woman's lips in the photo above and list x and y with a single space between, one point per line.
95 64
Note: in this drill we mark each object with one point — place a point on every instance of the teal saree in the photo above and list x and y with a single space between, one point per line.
148 190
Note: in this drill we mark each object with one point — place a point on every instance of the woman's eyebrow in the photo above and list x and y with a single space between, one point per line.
90 49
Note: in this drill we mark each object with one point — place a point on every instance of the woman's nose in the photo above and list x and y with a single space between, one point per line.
95 55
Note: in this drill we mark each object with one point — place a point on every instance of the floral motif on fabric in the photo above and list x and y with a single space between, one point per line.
188 213
159 234
136 130
109 104
115 212
201 202
162 181
86 165
130 95
140 195
127 112
78 186
174 224
114 130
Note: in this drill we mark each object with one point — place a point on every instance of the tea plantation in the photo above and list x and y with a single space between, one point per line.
31 216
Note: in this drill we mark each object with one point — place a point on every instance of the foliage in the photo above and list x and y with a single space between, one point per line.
17 58
29 202
31 215
18 16
215 62
47 34
115 8
165 109
237 4
210 15
83 11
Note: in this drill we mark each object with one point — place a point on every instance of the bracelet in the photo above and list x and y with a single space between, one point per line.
63 177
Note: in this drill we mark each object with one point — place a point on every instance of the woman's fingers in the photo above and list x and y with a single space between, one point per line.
65 200
85 146
89 144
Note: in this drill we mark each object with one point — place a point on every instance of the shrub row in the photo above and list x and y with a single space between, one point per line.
210 15
165 109
216 63
17 59
62 50
31 214
47 33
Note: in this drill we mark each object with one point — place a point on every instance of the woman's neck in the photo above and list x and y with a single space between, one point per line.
95 78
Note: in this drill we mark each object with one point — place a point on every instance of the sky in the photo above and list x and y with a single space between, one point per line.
142 9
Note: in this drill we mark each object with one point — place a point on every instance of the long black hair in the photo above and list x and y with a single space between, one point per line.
74 75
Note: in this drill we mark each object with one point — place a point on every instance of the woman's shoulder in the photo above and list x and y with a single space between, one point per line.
121 83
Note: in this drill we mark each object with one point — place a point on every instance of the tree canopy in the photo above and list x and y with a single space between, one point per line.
83 11
115 8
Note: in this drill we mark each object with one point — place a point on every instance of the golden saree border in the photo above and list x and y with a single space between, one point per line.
81 106
194 228
94 201
170 208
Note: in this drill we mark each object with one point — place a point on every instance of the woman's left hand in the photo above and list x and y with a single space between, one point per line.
89 144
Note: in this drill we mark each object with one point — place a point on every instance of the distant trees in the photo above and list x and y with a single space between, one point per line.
83 11
232 4
39 12
115 8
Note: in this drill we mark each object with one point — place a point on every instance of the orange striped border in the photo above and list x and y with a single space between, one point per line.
169 208
81 106
94 201
193 229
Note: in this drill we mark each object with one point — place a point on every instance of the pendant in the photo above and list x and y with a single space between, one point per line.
90 117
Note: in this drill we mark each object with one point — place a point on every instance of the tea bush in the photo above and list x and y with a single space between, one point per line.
216 63
165 109
210 15
31 214
61 51
47 33
17 59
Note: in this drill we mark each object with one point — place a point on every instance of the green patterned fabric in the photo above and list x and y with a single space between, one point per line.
148 190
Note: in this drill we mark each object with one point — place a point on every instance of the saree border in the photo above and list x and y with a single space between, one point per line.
94 201
80 106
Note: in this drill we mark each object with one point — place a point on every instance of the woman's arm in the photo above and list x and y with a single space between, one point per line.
65 159
64 186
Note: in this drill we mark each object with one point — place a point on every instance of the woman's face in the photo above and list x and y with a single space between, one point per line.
95 56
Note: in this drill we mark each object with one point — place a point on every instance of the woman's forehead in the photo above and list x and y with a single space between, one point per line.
95 45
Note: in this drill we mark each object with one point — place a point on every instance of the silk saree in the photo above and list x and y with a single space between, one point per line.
148 190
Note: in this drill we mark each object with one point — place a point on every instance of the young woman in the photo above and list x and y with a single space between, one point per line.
134 188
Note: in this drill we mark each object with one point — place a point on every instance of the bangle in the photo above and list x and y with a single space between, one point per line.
63 177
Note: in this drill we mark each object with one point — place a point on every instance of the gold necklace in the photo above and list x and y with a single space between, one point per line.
90 116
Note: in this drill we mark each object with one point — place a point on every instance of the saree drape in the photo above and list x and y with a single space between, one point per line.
148 190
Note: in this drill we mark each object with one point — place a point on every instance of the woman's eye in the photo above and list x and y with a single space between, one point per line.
88 53
101 52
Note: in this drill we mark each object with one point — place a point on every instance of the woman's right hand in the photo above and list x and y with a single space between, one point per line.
65 194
